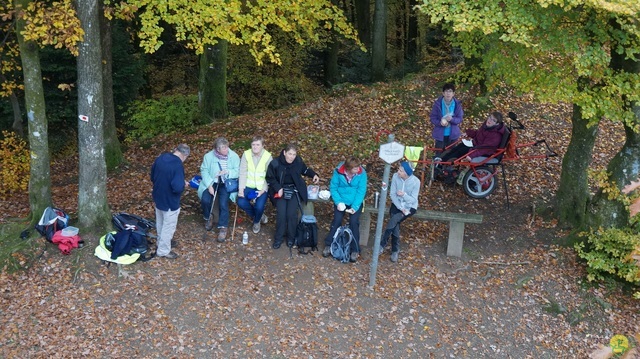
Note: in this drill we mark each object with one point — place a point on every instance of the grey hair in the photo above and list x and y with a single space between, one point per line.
220 141
184 149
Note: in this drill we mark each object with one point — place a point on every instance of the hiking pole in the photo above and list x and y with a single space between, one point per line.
235 218
209 225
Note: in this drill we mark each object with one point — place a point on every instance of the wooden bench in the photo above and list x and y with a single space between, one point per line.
456 223
456 226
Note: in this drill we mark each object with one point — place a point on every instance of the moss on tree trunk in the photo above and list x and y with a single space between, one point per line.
212 87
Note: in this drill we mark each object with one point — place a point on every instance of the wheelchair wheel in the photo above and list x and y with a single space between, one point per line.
473 185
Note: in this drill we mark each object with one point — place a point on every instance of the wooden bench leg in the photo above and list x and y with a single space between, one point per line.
456 237
365 227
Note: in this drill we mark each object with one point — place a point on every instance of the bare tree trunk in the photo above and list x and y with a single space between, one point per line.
379 44
93 210
15 108
363 21
412 32
40 172
212 89
112 149
331 73
573 192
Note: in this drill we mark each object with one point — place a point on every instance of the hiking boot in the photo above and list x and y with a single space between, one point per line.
354 257
394 257
264 219
256 227
381 250
222 235
171 255
208 225
326 251
276 245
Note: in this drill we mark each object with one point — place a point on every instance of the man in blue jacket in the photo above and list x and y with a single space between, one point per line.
348 188
167 176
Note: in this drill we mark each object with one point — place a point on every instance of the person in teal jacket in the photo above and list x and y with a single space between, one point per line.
348 188
218 165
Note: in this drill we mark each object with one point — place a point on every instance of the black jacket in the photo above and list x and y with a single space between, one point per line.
279 167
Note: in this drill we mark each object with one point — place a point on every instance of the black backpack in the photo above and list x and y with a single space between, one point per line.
132 236
307 234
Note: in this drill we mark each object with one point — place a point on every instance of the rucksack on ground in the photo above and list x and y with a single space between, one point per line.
126 221
307 234
105 247
341 244
52 220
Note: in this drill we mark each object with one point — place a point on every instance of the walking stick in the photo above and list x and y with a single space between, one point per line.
209 225
235 218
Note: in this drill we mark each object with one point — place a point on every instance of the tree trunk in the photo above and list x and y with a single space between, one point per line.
624 167
40 172
93 210
379 44
331 73
363 21
212 97
412 32
112 149
15 108
573 192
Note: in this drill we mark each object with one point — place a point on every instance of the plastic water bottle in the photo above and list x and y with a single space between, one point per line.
245 238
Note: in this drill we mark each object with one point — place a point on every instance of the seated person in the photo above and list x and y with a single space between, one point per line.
486 140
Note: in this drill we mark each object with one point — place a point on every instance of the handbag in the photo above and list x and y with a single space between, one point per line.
231 184
287 192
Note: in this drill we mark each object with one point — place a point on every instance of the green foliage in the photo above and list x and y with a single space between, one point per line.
149 118
202 23
269 86
608 252
14 164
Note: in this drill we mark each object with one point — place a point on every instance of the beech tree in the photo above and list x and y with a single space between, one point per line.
93 210
559 51
203 24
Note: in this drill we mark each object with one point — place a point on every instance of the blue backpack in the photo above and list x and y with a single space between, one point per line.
341 244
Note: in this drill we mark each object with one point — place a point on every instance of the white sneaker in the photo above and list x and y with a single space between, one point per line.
264 219
256 227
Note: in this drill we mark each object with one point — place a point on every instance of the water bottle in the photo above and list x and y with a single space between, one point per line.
245 238
376 199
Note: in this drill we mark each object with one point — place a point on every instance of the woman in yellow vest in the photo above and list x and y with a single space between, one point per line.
252 186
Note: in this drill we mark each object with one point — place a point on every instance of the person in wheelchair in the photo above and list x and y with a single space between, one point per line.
485 140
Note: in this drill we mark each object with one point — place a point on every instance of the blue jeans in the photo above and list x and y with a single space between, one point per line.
223 203
393 227
354 225
255 210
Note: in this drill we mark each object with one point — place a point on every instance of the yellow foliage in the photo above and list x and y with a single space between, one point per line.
54 24
14 164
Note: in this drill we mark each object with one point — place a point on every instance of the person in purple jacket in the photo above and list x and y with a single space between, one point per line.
446 117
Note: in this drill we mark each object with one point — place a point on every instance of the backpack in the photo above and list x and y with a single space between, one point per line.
307 234
105 247
52 220
124 221
341 244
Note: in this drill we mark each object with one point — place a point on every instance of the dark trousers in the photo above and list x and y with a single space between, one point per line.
393 227
286 219
457 151
354 225
256 209
223 203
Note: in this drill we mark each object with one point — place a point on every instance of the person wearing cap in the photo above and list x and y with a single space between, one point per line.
446 117
252 183
167 176
348 187
404 191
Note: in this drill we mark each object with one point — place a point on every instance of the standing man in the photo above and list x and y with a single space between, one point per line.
167 175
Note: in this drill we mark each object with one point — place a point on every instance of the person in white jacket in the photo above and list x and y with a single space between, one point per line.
404 191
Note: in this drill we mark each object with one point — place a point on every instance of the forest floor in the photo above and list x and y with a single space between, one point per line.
516 292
